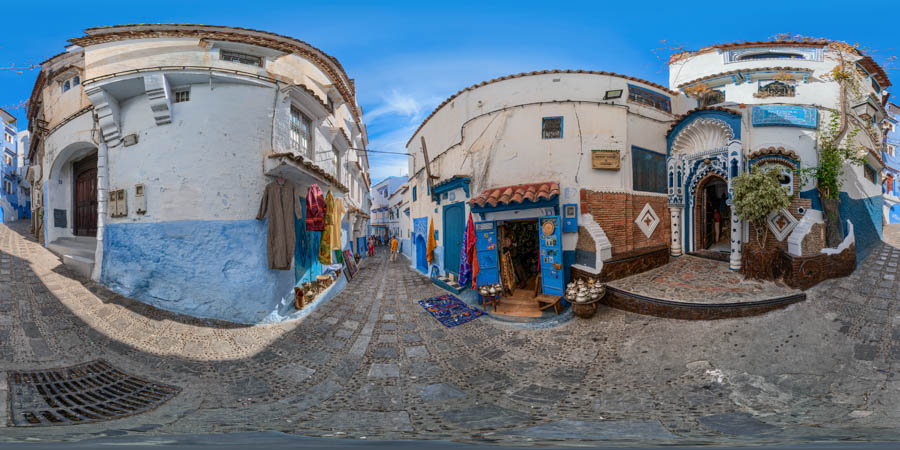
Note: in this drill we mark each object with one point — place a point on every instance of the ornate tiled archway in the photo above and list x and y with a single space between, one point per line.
706 143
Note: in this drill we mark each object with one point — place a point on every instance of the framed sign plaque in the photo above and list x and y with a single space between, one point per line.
605 159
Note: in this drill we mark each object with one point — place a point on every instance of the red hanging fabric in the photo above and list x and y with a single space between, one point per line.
315 209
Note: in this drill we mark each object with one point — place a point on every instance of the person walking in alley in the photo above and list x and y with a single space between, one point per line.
394 244
371 245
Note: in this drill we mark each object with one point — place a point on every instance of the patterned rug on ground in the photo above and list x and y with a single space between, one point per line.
450 310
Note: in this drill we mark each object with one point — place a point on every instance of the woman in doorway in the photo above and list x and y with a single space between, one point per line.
717 218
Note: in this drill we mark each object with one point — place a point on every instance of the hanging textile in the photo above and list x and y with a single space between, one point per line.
468 249
507 272
325 244
337 218
429 252
475 270
315 209
280 205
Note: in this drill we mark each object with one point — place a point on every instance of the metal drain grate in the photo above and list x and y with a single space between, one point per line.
92 392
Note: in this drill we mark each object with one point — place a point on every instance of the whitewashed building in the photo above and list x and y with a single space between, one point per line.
766 103
152 145
587 148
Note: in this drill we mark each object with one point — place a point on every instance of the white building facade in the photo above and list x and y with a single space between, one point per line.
586 148
768 103
153 145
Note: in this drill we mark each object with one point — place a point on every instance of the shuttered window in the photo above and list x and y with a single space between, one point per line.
648 170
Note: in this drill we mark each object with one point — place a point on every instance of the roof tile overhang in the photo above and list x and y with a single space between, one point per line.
678 119
327 63
772 151
297 168
876 70
741 71
520 194
541 72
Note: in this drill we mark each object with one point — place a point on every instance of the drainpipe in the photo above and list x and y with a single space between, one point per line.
102 200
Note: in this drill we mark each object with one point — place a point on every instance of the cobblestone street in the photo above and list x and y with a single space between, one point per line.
373 363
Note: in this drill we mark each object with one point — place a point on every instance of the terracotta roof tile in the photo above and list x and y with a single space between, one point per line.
678 119
747 70
774 151
313 168
517 194
873 67
542 72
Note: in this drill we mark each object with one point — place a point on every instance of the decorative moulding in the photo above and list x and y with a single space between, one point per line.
781 223
702 135
647 220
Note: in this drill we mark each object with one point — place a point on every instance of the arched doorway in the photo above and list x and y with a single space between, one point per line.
712 215
71 193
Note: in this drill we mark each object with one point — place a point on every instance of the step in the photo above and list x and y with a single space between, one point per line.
79 264
81 242
61 250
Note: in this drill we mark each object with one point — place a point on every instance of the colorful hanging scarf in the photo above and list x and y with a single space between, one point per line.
315 209
325 244
465 257
429 250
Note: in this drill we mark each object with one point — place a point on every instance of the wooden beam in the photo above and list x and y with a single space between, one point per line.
427 166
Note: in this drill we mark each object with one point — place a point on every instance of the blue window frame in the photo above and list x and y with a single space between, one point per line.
648 170
647 97
66 86
552 127
414 193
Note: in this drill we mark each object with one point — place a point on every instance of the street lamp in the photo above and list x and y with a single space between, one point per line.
865 110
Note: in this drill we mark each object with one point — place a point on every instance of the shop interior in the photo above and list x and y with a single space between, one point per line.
519 267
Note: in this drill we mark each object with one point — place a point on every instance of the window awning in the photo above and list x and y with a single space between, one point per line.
300 171
517 196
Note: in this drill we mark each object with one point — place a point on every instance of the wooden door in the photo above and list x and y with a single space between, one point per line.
454 228
86 197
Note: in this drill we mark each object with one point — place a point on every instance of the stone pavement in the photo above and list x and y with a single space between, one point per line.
691 279
371 363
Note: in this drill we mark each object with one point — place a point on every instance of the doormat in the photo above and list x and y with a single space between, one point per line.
92 392
450 310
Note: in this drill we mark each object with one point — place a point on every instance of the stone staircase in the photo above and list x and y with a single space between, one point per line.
76 253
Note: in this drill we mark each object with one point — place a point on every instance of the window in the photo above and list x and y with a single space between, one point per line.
869 173
8 159
890 150
66 86
241 58
770 55
648 170
7 185
414 193
76 80
712 97
775 89
649 98
301 133
551 128
8 138
182 95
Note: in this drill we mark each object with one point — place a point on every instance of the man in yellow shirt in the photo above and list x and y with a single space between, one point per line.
393 248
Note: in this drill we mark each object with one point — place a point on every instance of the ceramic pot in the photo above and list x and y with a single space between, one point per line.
580 298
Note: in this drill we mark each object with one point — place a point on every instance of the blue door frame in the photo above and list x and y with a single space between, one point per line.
553 276
421 259
454 223
486 247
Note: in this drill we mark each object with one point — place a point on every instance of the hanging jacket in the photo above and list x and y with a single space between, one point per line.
280 205
315 209
325 243
432 244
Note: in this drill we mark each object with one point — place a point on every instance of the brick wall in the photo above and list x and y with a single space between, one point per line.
616 212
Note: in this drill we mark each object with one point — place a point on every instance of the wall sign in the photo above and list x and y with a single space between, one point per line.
59 218
605 159
785 116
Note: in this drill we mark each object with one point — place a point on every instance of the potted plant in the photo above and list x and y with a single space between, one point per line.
757 194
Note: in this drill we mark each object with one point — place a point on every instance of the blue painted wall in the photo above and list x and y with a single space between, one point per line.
211 269
406 247
864 213
8 173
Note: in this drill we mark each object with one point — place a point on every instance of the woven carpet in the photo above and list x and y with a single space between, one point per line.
450 310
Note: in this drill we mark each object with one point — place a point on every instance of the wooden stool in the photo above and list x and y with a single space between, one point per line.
487 300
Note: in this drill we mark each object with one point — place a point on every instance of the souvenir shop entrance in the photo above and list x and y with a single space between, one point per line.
520 255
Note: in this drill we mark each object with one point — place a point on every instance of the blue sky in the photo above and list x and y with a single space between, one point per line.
407 57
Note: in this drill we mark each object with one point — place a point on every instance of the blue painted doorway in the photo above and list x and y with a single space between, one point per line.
421 259
454 225
486 247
